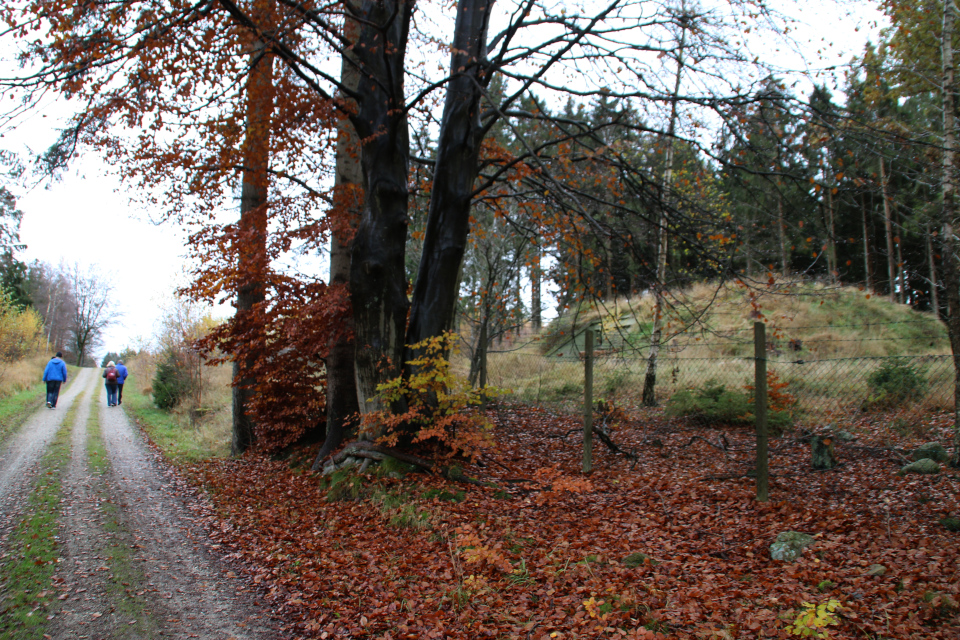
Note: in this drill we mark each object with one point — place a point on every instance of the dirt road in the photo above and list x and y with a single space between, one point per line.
131 562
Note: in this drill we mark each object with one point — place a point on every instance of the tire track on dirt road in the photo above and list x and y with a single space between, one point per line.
189 590
132 564
18 459
92 604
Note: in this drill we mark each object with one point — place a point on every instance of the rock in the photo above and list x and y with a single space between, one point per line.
932 451
789 545
924 466
845 436
876 570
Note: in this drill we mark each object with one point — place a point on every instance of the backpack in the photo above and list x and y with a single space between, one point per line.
112 375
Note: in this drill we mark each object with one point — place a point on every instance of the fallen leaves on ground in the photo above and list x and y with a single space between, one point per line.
541 554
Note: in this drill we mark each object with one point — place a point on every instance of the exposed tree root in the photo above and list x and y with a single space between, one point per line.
363 453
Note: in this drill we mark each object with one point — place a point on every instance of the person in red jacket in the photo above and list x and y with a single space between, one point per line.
110 377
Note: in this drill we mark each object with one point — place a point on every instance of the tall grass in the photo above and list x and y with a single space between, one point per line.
188 433
822 341
707 321
23 374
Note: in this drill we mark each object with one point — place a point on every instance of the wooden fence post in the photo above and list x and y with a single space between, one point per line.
588 401
760 410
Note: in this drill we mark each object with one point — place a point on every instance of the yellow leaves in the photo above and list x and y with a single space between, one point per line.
591 606
813 621
440 403
475 550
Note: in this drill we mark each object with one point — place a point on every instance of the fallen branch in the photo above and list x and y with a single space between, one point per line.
601 432
734 476
722 447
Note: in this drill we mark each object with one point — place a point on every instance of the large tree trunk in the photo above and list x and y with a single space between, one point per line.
378 286
888 228
448 221
951 269
342 403
251 236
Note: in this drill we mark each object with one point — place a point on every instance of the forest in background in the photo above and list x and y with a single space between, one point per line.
635 148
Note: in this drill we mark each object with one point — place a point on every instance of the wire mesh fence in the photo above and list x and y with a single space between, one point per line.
712 381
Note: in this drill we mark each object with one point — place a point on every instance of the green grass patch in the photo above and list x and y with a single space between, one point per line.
28 596
15 409
97 459
180 443
443 494
126 577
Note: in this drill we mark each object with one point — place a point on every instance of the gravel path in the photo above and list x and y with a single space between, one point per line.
19 457
133 564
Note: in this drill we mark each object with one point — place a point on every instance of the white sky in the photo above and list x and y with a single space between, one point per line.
86 218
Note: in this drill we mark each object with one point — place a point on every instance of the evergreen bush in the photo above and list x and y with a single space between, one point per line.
171 383
895 383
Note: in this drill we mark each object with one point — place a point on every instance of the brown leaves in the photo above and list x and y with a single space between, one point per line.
541 554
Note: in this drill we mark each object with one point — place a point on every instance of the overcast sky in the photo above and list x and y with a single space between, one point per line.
86 218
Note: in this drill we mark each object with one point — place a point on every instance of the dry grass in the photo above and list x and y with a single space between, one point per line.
824 343
712 321
202 431
23 374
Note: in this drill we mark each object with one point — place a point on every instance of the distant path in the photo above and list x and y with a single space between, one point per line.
132 565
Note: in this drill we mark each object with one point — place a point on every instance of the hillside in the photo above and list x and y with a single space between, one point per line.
809 319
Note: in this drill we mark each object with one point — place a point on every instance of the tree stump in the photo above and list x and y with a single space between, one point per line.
822 454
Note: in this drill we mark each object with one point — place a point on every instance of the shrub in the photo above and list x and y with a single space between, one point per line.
21 329
895 383
171 383
441 406
712 402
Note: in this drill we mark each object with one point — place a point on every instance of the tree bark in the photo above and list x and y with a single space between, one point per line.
951 269
822 454
888 227
342 403
867 264
901 270
934 293
448 219
536 315
649 396
378 286
251 239
782 228
831 237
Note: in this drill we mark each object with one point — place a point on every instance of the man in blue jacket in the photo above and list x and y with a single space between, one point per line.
54 375
122 374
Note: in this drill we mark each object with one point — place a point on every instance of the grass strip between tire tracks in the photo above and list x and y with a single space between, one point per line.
125 580
28 599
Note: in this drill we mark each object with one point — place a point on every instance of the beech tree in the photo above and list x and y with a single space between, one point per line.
163 68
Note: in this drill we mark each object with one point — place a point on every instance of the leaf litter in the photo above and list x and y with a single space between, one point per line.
673 545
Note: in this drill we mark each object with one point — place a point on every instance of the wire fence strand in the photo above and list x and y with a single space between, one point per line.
809 384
